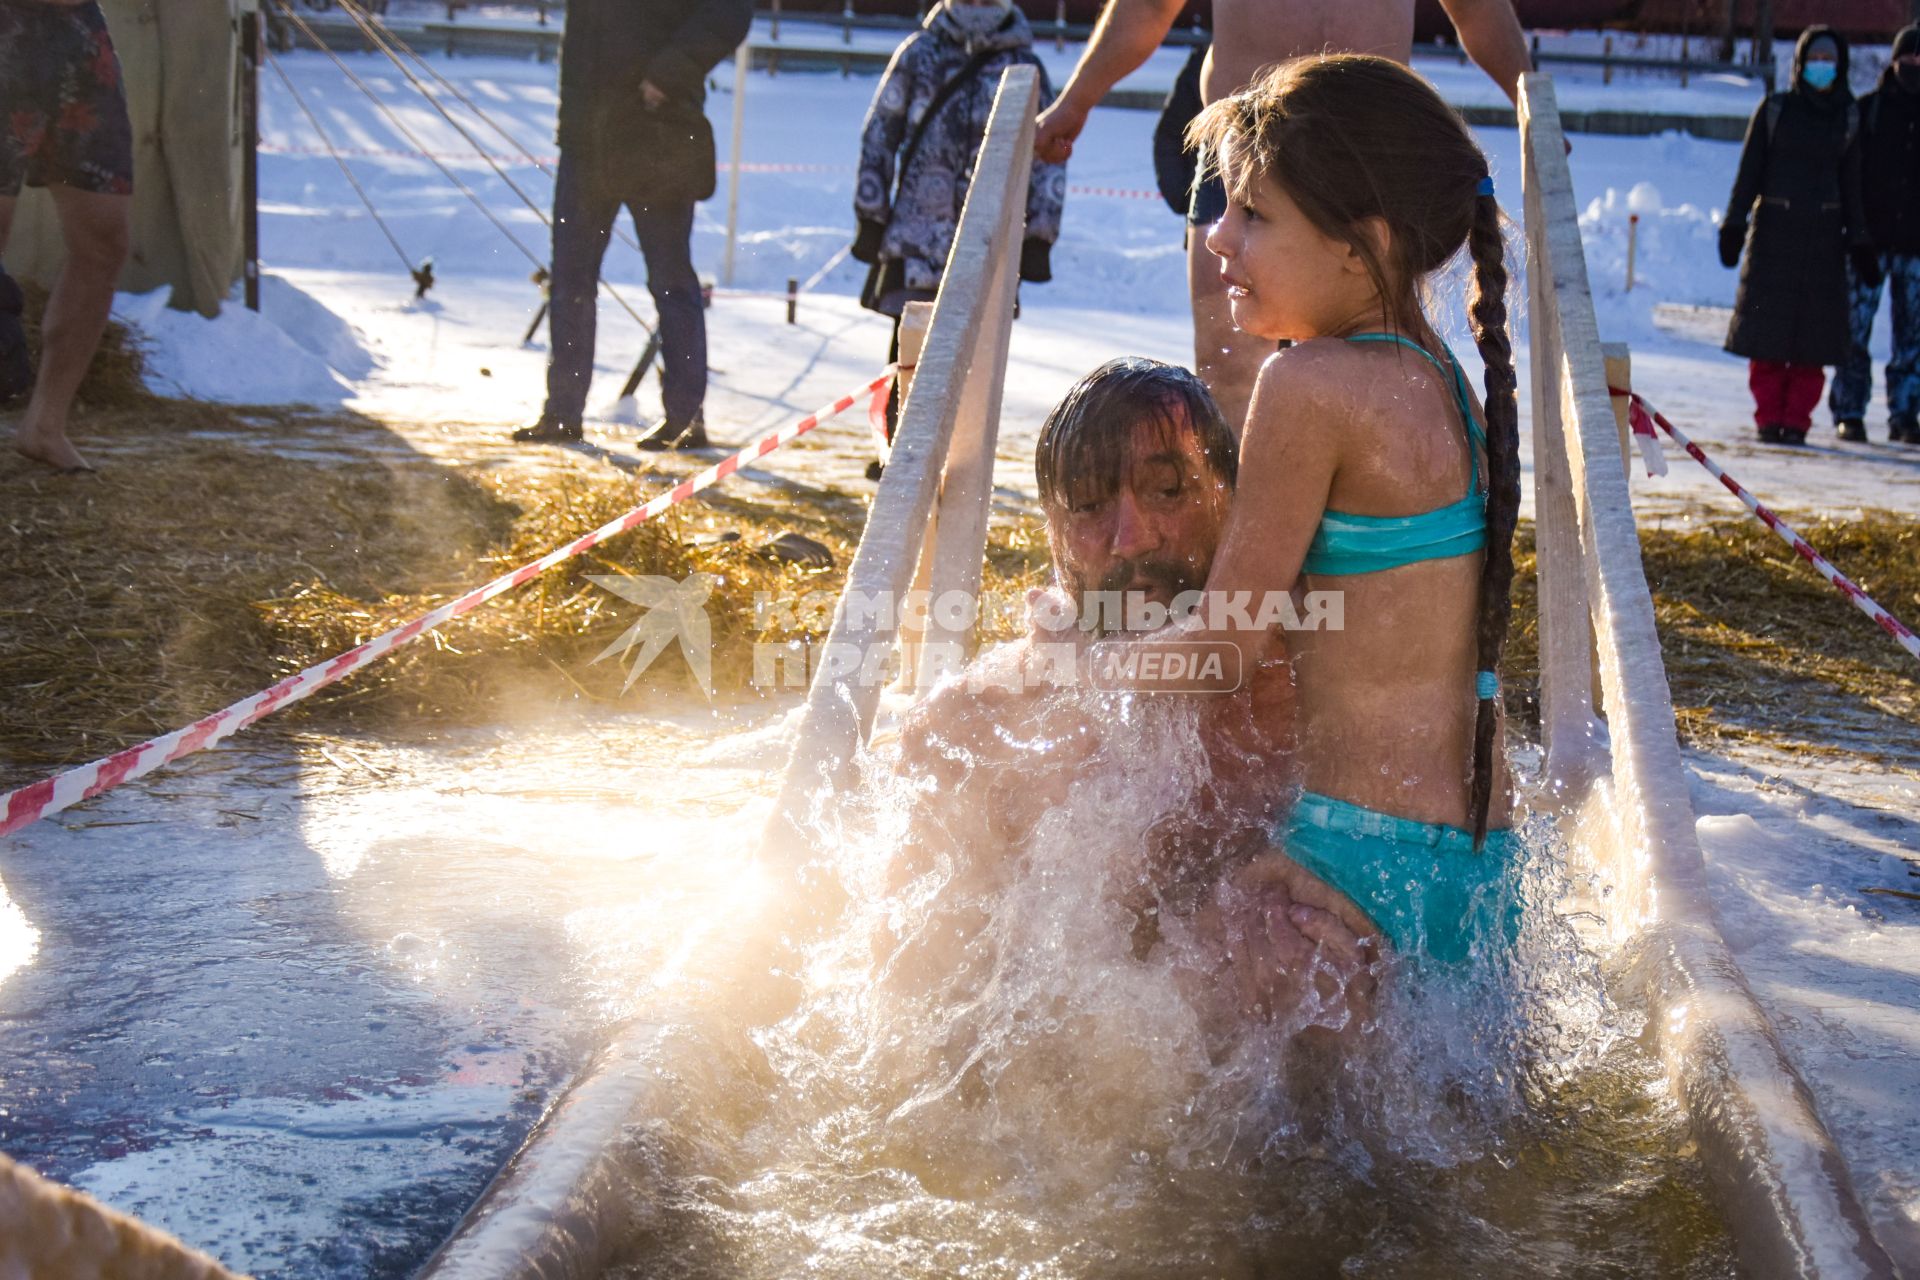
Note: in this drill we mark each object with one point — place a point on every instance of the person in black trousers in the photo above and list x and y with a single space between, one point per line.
634 131
1890 181
1799 189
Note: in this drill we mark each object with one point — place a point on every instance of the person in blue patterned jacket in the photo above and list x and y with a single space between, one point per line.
918 147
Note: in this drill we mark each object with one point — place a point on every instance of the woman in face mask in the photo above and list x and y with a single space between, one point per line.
1796 208
1890 181
918 147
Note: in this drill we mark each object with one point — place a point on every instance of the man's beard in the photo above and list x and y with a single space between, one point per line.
1132 578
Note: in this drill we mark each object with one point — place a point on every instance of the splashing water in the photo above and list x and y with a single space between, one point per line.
1018 1053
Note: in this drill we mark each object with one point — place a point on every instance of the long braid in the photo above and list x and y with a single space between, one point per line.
1488 311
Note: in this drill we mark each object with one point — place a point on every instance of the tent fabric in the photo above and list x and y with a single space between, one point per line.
181 61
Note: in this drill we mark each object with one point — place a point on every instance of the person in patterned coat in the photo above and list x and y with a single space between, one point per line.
919 145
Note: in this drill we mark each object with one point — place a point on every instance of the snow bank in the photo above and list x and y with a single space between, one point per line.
1677 253
294 351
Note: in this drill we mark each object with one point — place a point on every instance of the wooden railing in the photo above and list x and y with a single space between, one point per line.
1617 769
927 528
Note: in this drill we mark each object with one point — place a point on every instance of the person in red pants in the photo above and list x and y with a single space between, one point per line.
1799 191
1784 396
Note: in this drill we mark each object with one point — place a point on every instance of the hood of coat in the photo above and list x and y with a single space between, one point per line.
1906 44
1838 44
976 27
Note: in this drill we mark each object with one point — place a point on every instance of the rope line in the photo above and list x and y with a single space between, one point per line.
407 133
274 62
541 272
1642 417
384 39
51 795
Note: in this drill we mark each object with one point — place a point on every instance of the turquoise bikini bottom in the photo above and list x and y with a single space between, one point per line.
1421 883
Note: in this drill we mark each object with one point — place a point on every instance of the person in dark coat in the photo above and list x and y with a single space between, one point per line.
1798 187
1890 188
915 165
634 131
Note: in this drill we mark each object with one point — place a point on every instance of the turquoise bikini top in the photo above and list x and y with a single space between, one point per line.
1350 544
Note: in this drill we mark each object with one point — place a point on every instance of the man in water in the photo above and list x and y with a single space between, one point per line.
1135 471
1248 37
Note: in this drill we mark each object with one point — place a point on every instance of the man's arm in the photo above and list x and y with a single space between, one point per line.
1128 33
1490 33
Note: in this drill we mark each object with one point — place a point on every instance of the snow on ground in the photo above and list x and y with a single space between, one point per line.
1808 861
448 375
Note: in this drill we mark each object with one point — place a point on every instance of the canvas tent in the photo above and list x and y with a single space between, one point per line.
181 59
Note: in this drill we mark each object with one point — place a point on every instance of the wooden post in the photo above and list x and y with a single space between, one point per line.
774 21
1619 364
1606 61
740 56
846 22
1060 27
1633 241
916 318
250 157
793 300
1763 42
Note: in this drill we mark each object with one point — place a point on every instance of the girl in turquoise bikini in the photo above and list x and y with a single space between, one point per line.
1366 468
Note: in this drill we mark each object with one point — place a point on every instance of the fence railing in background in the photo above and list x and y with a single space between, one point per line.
1617 770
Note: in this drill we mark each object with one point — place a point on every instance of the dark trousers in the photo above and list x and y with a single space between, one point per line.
582 224
1784 394
1853 381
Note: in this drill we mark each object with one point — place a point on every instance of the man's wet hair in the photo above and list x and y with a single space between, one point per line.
1089 435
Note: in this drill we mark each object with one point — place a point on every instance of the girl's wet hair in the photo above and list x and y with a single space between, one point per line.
1349 139
1088 438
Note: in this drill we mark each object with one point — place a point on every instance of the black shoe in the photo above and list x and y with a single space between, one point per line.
676 435
547 431
1793 435
876 469
1852 430
1904 428
1771 433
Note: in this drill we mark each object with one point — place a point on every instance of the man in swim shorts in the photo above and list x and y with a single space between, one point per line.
64 126
1249 36
1135 471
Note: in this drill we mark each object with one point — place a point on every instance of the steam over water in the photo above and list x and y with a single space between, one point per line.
993 1067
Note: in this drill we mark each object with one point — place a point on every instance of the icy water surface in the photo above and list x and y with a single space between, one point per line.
298 1004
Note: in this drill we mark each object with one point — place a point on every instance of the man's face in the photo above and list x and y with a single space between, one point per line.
1153 533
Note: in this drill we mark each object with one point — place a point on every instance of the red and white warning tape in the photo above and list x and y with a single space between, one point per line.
1642 417
50 795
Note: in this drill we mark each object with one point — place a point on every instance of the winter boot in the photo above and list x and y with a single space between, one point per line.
1904 428
1771 433
1852 430
547 431
677 435
16 369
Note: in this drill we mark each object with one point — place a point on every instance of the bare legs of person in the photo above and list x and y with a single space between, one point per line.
1226 359
96 231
